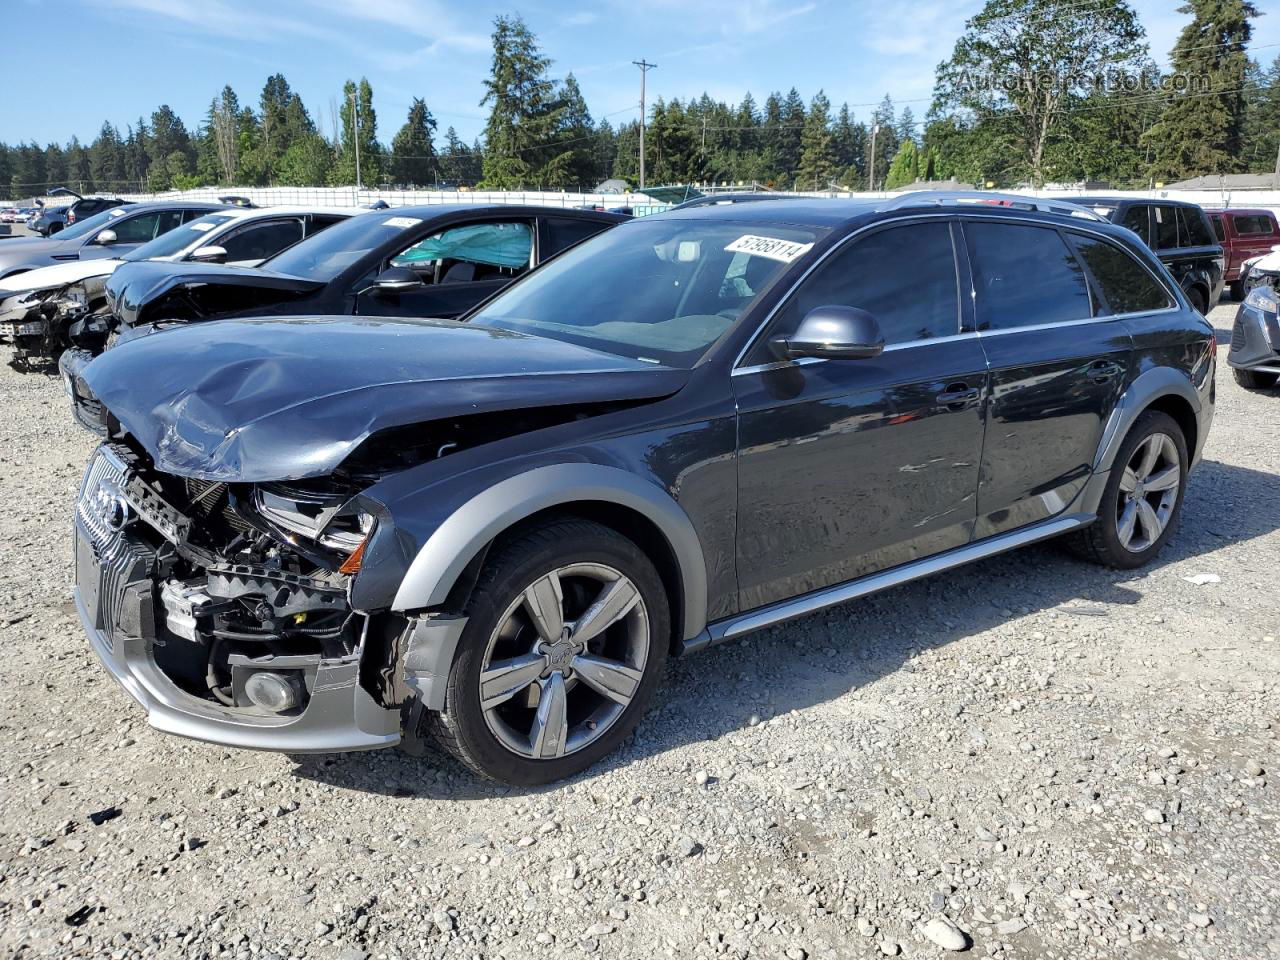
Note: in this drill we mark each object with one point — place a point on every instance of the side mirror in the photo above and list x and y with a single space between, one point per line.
105 237
209 254
396 280
832 332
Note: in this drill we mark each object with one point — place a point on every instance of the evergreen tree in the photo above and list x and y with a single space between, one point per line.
455 161
886 142
79 174
106 160
1262 128
358 123
849 139
790 132
524 112
817 147
282 119
1202 129
578 134
905 168
413 160
905 127
308 161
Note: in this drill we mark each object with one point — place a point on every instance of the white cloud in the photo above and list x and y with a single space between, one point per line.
583 19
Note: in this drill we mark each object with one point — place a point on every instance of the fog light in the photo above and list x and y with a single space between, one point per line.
270 691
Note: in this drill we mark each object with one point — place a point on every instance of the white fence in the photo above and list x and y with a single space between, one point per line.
641 204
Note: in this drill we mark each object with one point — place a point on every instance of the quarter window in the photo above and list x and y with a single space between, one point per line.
1025 276
1127 286
903 276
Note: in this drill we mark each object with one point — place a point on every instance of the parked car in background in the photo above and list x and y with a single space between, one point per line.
56 219
1181 236
1263 271
109 234
695 425
431 261
1254 356
1245 234
15 214
42 308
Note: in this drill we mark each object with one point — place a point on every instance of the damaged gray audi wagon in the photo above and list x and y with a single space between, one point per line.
338 533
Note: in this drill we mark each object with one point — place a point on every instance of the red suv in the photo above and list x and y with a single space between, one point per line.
1243 234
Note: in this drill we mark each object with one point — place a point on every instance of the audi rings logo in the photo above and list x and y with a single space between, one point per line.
109 503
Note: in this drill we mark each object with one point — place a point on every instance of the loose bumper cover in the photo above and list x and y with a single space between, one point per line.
117 598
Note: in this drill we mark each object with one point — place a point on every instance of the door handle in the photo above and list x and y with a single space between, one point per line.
957 396
1100 371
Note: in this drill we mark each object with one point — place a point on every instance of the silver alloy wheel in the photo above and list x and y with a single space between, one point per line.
564 661
1148 492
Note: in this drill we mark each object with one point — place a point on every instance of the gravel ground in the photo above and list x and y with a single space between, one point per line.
1027 758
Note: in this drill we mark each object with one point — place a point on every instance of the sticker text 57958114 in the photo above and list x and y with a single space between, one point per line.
770 247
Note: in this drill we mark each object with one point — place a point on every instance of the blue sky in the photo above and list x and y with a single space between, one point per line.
128 56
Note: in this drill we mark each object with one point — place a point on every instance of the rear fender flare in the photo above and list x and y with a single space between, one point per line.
455 542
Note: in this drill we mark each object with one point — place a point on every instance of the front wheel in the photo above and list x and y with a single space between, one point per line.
1253 379
1143 496
567 633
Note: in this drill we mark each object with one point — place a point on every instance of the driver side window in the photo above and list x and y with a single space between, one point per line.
470 253
903 276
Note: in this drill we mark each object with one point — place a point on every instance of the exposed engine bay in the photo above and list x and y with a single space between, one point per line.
248 582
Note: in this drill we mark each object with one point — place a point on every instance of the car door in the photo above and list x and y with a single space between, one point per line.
459 265
1058 362
849 466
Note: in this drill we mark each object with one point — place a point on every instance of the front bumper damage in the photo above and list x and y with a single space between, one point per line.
141 624
1255 335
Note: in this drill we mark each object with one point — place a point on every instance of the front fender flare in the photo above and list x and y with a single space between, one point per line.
455 542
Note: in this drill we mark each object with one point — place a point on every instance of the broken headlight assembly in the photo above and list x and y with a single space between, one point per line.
328 518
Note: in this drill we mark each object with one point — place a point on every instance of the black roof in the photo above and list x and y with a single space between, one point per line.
1127 201
429 210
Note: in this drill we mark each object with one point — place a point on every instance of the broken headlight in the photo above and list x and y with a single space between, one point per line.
328 518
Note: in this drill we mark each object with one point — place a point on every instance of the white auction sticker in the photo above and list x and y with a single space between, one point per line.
401 222
771 247
203 227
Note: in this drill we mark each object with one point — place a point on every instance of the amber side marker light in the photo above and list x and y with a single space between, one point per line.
352 563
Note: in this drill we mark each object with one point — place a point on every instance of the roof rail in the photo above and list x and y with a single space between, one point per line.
938 198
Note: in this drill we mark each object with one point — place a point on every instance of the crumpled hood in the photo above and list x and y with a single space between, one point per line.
140 283
1268 261
282 399
58 275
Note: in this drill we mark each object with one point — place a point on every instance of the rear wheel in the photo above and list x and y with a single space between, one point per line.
567 634
1143 496
1198 300
1254 379
1237 290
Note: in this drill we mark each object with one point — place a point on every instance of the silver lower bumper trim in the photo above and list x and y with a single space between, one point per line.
339 717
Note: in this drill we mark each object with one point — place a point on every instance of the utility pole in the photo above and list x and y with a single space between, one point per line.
1276 183
645 67
355 117
871 173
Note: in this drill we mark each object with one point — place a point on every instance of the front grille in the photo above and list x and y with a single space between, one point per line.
109 560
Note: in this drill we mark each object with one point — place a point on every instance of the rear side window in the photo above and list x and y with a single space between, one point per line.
1127 286
903 276
1251 224
1165 227
1025 276
1192 231
1136 219
564 233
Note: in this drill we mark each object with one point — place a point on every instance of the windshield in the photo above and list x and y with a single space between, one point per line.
85 228
176 241
324 255
657 290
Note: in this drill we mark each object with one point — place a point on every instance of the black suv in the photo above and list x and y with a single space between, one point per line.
56 219
1182 237
332 533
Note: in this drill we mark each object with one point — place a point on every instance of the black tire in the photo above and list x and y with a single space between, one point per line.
1253 379
461 728
1198 300
1100 541
1237 290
